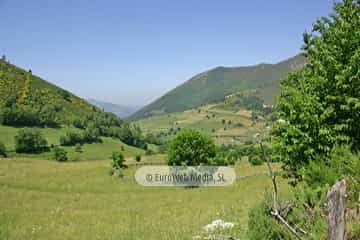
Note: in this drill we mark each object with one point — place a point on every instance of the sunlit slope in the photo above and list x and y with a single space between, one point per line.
215 84
24 88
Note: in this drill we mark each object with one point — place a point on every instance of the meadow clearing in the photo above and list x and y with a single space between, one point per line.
94 151
42 199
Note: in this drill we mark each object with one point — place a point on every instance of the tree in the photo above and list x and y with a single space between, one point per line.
18 117
60 154
71 139
30 141
48 115
118 160
191 148
138 158
321 102
320 110
91 134
2 150
3 57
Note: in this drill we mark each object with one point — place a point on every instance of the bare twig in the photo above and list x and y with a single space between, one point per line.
275 212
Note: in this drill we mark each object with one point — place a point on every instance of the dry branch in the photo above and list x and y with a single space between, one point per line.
275 212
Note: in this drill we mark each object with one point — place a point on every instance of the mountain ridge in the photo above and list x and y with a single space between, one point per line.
214 84
121 111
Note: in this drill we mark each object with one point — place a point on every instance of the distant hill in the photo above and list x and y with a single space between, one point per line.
26 91
215 84
119 110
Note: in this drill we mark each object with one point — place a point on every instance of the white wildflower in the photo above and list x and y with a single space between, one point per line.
218 224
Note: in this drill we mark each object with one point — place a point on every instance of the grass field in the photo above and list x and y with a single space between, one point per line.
237 128
95 151
42 199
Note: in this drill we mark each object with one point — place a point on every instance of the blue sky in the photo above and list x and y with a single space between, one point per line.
131 52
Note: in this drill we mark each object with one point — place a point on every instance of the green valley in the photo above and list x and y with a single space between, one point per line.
258 152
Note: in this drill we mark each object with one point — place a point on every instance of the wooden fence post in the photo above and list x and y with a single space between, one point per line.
336 206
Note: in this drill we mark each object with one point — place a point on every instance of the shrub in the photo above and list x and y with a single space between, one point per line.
219 160
343 164
262 226
233 156
191 148
30 141
255 160
13 116
138 158
71 139
17 117
226 155
2 149
78 123
60 154
118 160
91 135
78 148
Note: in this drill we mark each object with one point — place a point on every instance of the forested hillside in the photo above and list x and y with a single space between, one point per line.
36 97
215 84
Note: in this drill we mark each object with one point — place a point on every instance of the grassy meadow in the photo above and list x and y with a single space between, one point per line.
42 199
94 151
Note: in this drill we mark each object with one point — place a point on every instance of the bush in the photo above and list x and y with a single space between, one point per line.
262 226
2 150
78 148
13 116
78 123
59 154
191 148
17 117
91 135
138 158
255 160
227 155
30 141
219 160
118 160
233 156
71 139
343 164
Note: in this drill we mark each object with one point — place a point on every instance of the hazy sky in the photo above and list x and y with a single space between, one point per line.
132 52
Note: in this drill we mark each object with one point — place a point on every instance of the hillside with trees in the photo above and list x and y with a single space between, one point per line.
214 85
29 100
